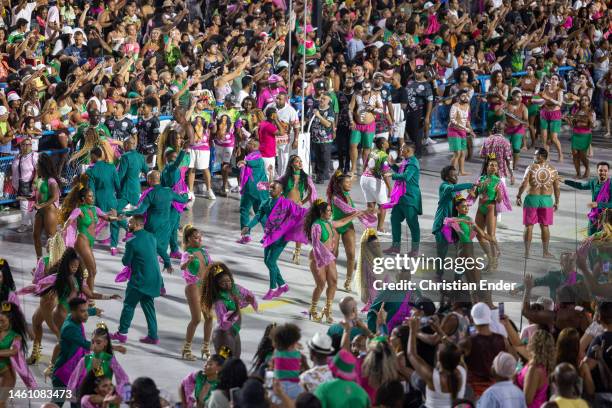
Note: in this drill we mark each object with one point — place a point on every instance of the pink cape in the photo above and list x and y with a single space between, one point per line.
452 224
246 173
286 221
71 230
39 287
21 368
399 189
602 197
504 205
322 255
79 373
181 188
368 220
188 389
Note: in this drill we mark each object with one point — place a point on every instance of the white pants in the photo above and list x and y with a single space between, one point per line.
374 190
27 216
199 159
282 157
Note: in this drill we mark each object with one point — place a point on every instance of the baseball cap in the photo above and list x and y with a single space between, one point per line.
179 69
504 365
425 305
481 314
3 110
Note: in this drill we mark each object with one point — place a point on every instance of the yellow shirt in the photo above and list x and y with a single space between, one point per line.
571 403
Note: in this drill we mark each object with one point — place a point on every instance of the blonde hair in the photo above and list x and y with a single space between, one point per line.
380 364
542 350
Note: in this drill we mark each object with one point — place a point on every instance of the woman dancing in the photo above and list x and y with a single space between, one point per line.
582 121
196 388
13 348
227 298
299 188
46 201
81 225
322 233
463 230
101 361
225 140
7 284
493 199
194 265
93 138
530 85
369 250
550 114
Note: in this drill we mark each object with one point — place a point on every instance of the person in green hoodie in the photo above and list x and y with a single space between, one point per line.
156 201
408 206
252 172
145 281
104 183
131 165
446 192
173 176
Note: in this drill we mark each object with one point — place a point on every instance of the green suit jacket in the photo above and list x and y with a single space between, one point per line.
141 256
259 175
446 193
594 185
131 165
71 339
410 176
171 173
104 183
157 205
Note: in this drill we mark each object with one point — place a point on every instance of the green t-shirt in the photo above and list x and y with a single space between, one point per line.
337 329
340 393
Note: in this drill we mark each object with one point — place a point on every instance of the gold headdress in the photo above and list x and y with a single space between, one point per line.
101 325
1 261
319 201
492 156
217 269
6 306
225 352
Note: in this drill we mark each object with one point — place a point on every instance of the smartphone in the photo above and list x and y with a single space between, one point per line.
269 379
234 394
501 309
126 392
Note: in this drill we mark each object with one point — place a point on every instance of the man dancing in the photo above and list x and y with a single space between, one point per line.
104 183
173 176
600 194
542 179
156 202
252 172
144 283
406 201
446 192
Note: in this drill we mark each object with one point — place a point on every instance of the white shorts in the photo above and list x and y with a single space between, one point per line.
223 154
199 159
269 161
374 190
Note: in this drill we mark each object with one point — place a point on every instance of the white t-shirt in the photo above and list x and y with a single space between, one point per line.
25 13
53 16
601 66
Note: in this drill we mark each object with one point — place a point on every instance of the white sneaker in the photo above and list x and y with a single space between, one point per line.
429 141
23 228
211 195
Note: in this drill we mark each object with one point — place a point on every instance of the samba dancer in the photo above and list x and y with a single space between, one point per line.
550 114
601 195
582 121
517 116
46 196
530 86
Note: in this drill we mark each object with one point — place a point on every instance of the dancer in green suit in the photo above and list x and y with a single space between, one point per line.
131 165
252 172
408 206
173 176
145 281
601 195
156 202
446 192
104 183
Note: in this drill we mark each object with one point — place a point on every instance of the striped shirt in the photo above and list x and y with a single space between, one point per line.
287 365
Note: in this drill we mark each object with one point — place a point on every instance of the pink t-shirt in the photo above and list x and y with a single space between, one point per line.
267 140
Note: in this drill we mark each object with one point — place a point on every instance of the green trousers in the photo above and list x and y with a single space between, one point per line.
246 203
271 255
398 215
132 298
162 235
114 231
175 221
441 250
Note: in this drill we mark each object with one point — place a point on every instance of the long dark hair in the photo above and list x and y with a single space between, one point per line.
334 188
232 375
90 382
264 349
102 331
288 175
449 358
8 283
46 167
62 287
145 393
315 212
214 273
18 323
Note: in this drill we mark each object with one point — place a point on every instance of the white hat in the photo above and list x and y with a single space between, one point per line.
3 110
546 302
12 96
179 69
428 5
321 343
481 314
67 30
504 365
282 64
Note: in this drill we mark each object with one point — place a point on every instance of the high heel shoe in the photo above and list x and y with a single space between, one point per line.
48 373
186 353
36 353
313 314
347 284
327 312
205 350
296 256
